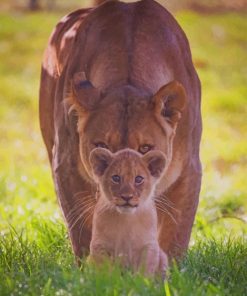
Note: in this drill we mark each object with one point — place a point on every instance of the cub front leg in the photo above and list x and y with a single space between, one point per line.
98 254
163 263
150 261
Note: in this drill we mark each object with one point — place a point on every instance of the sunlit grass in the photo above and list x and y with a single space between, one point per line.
38 261
35 254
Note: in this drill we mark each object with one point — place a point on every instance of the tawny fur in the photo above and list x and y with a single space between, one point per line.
121 76
126 231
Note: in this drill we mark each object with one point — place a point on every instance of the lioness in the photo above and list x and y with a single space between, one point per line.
125 217
121 76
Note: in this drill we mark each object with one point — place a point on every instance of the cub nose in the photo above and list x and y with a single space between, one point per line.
127 197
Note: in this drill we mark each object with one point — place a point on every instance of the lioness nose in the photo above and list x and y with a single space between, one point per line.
127 197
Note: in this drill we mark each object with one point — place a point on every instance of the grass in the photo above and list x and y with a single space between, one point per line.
44 265
35 254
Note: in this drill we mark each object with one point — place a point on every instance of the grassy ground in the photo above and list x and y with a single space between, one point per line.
35 255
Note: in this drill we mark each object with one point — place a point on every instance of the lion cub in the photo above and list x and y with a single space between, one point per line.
125 218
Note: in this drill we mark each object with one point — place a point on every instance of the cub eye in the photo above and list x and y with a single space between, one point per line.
101 145
139 180
145 148
116 179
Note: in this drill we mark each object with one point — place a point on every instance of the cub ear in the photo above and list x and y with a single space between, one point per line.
156 163
170 101
85 93
99 159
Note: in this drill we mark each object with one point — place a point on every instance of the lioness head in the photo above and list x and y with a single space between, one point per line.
125 117
127 179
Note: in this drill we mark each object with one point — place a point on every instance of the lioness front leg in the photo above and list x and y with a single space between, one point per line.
175 227
73 205
72 191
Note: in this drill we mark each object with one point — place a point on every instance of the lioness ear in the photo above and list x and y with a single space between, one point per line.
156 162
170 101
100 159
85 93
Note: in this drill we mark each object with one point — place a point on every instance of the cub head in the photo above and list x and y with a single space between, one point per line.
127 179
125 117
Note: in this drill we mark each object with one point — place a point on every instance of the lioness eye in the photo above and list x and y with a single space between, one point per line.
101 145
116 179
139 179
145 148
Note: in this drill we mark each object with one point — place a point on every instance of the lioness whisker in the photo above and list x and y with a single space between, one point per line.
78 204
78 194
165 197
81 216
78 207
84 221
166 212
77 216
76 221
164 203
82 192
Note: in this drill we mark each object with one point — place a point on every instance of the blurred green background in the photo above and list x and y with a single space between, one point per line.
217 32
